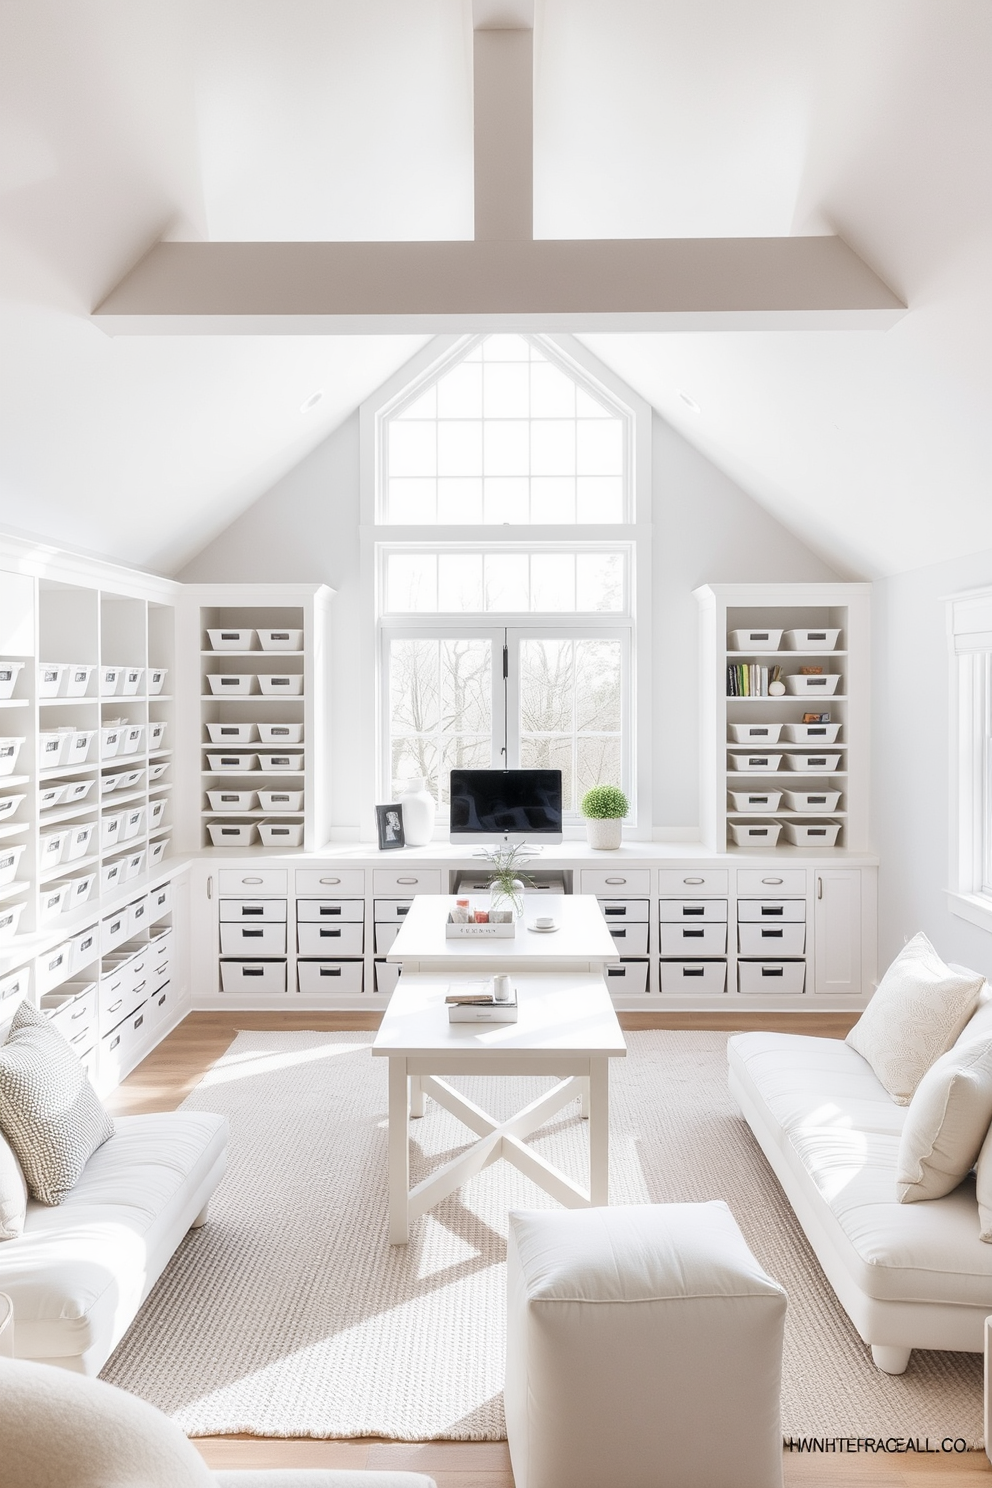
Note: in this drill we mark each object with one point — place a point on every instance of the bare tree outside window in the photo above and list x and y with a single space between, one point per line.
440 695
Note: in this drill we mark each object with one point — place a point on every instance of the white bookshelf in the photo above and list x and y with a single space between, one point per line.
726 608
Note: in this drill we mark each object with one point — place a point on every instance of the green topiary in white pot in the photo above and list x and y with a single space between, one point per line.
604 808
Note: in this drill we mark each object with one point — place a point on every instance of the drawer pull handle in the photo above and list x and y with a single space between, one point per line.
251 880
252 934
778 934
615 909
612 880
330 909
772 880
772 909
252 909
115 1005
138 1022
615 971
692 971
772 971
139 988
402 909
81 1014
693 909
619 934
161 1001
408 880
693 880
79 1036
329 934
115 1042
330 880
330 971
252 971
693 934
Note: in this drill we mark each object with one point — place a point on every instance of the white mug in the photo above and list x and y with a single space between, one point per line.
501 988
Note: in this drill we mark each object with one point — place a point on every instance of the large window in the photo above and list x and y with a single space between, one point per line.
512 647
970 626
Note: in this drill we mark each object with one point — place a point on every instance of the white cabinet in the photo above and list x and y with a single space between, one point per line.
837 928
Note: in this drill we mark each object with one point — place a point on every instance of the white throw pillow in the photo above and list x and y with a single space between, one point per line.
13 1193
983 1187
946 1124
979 1025
919 1008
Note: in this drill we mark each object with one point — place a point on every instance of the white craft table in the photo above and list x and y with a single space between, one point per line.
582 943
566 1027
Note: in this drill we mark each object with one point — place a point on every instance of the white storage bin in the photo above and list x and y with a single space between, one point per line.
281 834
231 834
321 910
778 978
250 911
253 976
629 979
156 735
10 748
280 733
155 681
77 842
755 801
280 800
157 770
9 673
330 976
755 834
689 978
755 733
137 914
280 684
9 858
693 940
53 968
133 864
384 937
110 680
134 820
77 679
111 831
756 763
771 940
157 850
280 764
83 948
346 939
387 974
77 791
230 639
15 985
813 764
811 640
771 911
231 800
812 733
692 911
50 847
802 685
80 891
253 940
810 801
109 783
813 834
9 916
232 764
50 675
231 684
159 901
9 805
131 738
78 748
50 795
110 741
131 678
630 940
231 733
281 640
758 638
112 875
51 902
156 811
130 779
51 748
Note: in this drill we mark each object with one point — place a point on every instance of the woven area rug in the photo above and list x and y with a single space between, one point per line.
289 1314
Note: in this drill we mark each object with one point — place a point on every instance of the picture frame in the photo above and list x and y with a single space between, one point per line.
389 825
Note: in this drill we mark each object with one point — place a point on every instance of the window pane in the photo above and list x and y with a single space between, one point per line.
599 447
459 447
551 754
507 348
546 686
485 580
552 581
440 698
459 393
597 763
571 710
414 694
459 500
552 447
413 502
411 582
507 581
552 394
461 752
507 447
506 499
599 586
552 498
412 448
466 686
598 686
586 406
459 581
599 498
506 390
424 407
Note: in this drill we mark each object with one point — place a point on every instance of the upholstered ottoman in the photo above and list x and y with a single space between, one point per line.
644 1348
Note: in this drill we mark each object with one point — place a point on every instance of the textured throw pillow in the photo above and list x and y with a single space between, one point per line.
979 1025
13 1194
919 1008
946 1124
49 1111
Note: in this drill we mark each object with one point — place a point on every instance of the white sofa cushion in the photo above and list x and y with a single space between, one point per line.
918 1009
79 1272
13 1193
839 1131
946 1123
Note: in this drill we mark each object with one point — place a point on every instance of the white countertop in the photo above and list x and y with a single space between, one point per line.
583 934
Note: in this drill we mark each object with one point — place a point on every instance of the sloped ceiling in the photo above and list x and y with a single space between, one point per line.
126 120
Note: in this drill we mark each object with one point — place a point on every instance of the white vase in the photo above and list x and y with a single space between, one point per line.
418 812
604 832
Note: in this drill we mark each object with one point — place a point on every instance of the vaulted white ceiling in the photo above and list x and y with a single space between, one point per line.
122 121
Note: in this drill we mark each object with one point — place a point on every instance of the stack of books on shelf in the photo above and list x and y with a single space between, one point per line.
748 679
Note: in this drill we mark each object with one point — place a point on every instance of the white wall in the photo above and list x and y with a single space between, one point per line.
706 531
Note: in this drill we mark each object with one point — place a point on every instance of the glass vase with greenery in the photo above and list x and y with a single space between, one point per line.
507 880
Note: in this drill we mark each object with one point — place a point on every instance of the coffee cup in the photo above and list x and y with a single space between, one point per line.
545 922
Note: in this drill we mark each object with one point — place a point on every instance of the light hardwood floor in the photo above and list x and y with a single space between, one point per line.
171 1071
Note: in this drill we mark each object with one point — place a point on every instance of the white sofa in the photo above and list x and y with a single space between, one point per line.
908 1275
80 1271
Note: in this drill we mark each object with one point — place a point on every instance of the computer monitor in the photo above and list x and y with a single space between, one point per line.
506 806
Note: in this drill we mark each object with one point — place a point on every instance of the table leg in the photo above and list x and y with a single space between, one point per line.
418 1100
599 1131
399 1152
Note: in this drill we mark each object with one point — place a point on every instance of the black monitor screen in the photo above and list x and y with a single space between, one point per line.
493 801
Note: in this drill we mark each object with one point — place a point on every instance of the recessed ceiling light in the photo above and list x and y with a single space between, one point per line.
311 402
689 402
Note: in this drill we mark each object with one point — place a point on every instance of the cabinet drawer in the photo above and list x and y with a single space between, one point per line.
253 881
159 901
246 911
73 1015
629 977
52 968
630 940
689 978
253 940
692 911
768 881
695 881
83 949
778 978
160 1006
120 1049
330 881
387 974
113 930
384 937
15 985
771 911
404 883
607 883
325 910
330 976
624 910
693 940
391 911
330 940
253 977
137 914
771 940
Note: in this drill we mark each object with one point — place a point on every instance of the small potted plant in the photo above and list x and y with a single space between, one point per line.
506 881
604 808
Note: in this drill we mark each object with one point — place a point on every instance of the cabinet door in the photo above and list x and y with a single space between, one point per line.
837 919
